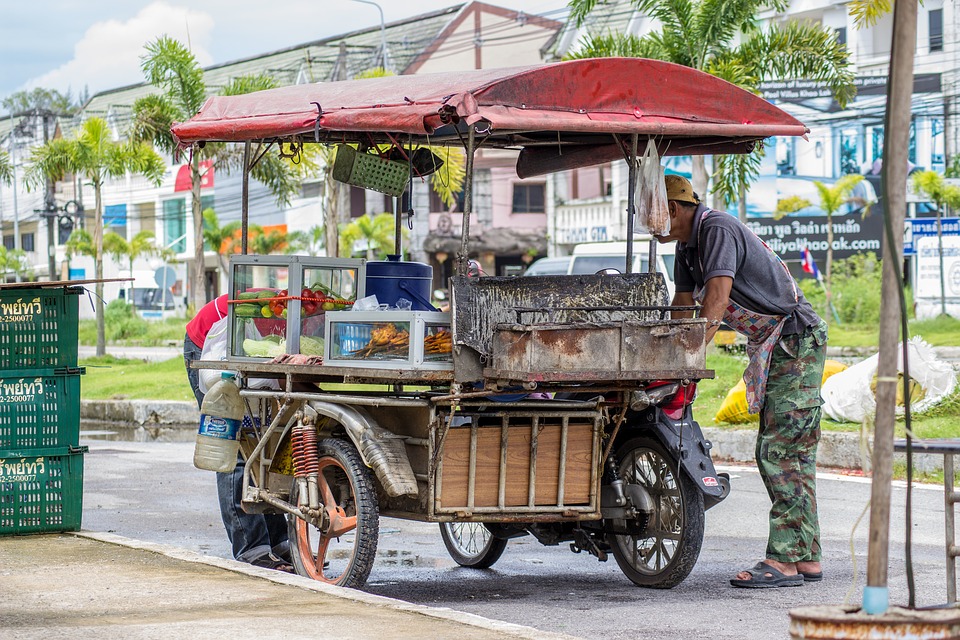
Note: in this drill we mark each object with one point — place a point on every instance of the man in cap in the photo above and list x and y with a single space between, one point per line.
738 280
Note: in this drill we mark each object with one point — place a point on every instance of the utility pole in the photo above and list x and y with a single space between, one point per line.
49 201
16 210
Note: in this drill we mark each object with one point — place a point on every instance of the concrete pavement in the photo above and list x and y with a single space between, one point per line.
96 585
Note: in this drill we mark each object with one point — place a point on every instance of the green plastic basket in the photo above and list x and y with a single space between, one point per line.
38 327
39 408
370 171
41 490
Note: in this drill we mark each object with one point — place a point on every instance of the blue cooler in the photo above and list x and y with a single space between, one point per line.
392 279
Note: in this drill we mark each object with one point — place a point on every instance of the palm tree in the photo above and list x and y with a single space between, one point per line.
265 243
120 249
95 155
376 231
171 67
723 39
217 238
14 260
831 201
310 241
6 168
945 196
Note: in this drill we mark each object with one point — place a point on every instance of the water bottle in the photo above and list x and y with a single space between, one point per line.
221 414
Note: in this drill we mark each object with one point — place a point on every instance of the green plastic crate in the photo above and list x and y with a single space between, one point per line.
39 327
41 490
39 408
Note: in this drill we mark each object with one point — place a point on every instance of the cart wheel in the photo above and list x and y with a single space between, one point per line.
664 554
471 544
344 554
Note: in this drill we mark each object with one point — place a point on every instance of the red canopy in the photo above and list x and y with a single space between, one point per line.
522 106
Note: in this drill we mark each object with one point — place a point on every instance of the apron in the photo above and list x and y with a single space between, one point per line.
762 331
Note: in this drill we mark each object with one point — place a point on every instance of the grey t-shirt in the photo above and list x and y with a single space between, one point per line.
723 246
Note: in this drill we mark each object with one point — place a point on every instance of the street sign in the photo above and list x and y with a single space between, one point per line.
921 227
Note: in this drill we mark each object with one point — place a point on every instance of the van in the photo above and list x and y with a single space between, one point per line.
593 257
549 267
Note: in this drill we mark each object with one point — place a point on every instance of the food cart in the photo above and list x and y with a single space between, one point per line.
552 406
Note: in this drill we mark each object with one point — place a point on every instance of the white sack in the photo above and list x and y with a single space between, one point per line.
215 348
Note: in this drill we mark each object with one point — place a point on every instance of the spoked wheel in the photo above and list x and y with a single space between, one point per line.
471 544
343 554
663 554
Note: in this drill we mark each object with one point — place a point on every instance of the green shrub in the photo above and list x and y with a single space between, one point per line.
856 291
121 321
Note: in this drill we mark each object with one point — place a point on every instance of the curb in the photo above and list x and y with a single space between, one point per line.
169 421
443 613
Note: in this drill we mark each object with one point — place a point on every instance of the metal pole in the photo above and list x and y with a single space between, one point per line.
949 500
631 200
467 204
245 198
16 210
383 32
49 202
896 132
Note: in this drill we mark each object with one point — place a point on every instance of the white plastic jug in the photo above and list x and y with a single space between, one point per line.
218 439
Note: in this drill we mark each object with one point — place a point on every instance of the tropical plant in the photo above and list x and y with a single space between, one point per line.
832 198
266 242
6 168
44 100
219 238
95 155
311 241
15 261
128 251
171 67
946 197
375 233
724 39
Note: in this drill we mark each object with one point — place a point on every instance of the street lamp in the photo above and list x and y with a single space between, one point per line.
383 32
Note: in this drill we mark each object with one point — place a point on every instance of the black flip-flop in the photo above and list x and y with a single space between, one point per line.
766 577
270 561
811 576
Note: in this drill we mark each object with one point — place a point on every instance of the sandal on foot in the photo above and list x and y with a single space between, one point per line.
270 561
812 576
765 577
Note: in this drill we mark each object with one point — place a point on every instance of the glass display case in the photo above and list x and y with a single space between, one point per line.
277 303
389 339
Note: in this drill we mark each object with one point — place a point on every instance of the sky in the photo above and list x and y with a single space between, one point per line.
70 45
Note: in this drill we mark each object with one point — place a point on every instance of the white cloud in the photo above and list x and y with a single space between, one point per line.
109 53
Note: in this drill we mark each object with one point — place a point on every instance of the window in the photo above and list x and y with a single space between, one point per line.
206 202
528 198
841 35
311 189
26 242
115 219
935 20
8 243
175 224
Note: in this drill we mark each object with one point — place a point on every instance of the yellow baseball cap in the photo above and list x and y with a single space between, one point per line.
679 188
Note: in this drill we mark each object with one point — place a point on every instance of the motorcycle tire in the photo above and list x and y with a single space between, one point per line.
665 553
343 554
471 544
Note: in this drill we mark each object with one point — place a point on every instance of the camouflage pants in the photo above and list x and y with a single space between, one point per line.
787 444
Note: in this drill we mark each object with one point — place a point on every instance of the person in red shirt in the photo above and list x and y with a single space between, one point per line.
259 539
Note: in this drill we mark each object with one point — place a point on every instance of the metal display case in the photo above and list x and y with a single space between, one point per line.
388 340
278 303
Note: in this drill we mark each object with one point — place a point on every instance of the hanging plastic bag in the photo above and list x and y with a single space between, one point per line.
651 194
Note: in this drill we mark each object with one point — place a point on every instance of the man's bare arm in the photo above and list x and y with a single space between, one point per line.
682 300
715 300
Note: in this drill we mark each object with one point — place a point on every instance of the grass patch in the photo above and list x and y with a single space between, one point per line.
938 332
153 334
110 378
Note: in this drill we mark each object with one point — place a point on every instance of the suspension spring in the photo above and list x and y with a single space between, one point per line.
305 453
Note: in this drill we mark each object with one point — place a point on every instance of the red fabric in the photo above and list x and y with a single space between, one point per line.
601 95
199 327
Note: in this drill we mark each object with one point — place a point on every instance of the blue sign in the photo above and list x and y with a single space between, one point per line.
78 274
920 227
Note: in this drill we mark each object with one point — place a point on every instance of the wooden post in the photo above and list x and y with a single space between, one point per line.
631 200
245 198
896 143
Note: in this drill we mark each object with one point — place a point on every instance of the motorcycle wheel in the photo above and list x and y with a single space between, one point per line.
471 544
343 554
664 554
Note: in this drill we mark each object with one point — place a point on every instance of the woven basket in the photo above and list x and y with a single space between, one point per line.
370 171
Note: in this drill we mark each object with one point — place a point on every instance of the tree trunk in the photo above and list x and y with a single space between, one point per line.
896 144
742 203
829 265
699 177
98 269
199 293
